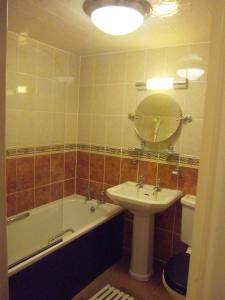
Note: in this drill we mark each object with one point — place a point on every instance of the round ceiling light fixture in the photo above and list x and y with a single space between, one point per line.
117 17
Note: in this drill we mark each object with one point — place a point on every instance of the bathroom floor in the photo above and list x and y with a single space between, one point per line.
118 276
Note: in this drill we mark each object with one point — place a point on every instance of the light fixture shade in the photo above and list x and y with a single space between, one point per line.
165 8
117 17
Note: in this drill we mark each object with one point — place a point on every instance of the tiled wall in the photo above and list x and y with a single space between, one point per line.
39 179
108 94
42 133
97 172
42 94
41 122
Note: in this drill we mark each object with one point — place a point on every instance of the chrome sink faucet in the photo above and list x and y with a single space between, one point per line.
87 196
140 183
157 188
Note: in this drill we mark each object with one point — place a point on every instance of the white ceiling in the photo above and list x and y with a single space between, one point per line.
63 24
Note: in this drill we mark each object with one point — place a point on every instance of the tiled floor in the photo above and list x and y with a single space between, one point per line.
118 276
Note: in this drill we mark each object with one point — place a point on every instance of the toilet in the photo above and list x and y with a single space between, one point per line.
175 273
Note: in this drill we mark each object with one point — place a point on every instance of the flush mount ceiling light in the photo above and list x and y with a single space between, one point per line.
117 17
165 8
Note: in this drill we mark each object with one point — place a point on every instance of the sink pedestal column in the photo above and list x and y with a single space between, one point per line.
142 247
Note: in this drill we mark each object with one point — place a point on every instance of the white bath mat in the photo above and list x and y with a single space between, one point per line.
111 293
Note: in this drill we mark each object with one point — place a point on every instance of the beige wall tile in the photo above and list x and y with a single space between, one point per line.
116 97
155 63
117 68
43 123
114 131
175 58
26 91
61 64
28 57
44 99
135 66
87 70
102 64
40 92
25 128
70 128
191 138
100 99
84 128
11 92
12 52
45 60
130 139
11 129
72 97
98 137
74 67
58 128
196 99
86 97
59 96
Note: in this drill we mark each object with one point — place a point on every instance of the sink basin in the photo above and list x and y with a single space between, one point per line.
144 202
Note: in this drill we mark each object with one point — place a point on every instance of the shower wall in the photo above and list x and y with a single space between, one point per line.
41 122
105 134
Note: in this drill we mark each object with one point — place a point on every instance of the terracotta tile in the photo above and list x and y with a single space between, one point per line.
149 171
11 175
25 173
165 220
42 195
188 180
83 159
69 187
70 164
163 245
42 170
97 162
128 170
57 167
167 180
25 200
178 245
178 215
56 191
112 170
96 188
82 186
11 205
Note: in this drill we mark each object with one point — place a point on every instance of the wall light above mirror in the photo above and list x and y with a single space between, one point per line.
162 83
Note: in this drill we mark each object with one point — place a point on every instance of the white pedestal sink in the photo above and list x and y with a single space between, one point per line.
143 203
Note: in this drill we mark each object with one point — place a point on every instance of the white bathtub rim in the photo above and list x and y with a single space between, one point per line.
68 238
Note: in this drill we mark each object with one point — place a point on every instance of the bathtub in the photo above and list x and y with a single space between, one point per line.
57 223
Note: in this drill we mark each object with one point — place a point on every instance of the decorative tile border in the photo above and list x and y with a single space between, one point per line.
142 154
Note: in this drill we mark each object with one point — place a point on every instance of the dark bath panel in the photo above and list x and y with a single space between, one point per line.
65 272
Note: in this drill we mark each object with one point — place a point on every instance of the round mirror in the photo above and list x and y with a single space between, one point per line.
157 118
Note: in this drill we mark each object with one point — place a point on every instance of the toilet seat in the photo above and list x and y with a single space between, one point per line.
176 273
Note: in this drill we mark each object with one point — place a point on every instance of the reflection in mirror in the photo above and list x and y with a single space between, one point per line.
157 118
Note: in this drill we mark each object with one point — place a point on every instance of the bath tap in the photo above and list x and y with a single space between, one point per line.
157 188
88 196
102 198
140 183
